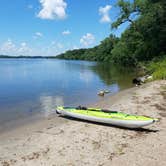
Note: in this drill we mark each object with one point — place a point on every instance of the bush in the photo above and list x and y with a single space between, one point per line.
158 69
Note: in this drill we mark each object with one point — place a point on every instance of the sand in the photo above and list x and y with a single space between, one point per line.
64 142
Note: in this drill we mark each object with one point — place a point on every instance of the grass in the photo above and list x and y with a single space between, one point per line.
158 69
163 87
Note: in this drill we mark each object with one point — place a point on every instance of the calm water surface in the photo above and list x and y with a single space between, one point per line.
30 86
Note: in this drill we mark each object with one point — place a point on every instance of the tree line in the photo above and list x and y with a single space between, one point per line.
144 39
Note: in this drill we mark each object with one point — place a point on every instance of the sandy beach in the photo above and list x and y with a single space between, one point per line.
58 141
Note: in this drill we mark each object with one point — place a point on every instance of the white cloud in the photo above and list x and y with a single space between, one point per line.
7 47
37 35
23 44
104 12
24 49
87 39
75 47
30 6
10 48
59 46
54 48
52 9
56 45
66 32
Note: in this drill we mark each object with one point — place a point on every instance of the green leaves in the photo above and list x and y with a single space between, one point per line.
158 69
101 52
143 41
145 37
126 10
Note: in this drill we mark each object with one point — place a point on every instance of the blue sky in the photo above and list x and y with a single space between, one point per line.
50 27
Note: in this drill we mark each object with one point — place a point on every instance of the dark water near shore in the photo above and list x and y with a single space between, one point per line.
30 86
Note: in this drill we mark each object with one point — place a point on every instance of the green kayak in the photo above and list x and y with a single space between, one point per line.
106 116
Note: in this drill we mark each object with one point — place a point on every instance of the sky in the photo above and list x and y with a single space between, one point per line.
50 27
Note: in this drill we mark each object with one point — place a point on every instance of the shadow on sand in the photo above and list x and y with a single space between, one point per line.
141 130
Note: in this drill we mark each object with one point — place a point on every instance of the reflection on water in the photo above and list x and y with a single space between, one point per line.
110 73
49 103
86 76
30 86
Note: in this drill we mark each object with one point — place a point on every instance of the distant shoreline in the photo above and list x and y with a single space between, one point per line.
27 57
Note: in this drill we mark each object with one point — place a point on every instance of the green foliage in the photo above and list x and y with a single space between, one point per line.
158 69
145 38
142 41
102 52
126 10
120 54
73 54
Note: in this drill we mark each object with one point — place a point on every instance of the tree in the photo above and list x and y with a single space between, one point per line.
128 12
145 37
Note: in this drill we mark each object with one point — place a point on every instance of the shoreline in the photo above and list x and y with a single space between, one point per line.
55 140
38 118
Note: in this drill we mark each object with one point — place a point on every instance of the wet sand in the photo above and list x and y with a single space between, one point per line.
58 141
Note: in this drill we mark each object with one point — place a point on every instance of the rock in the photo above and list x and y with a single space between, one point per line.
140 80
101 93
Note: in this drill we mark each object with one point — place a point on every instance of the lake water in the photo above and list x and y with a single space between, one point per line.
32 86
